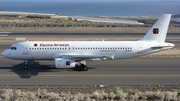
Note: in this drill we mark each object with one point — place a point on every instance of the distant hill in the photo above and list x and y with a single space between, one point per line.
1 9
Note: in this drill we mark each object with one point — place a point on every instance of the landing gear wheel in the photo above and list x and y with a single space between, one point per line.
25 67
85 68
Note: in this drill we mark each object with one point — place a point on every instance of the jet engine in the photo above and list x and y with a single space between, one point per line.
64 63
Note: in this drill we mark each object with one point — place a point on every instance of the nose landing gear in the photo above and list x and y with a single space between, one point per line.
26 64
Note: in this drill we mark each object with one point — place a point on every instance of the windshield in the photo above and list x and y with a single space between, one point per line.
12 48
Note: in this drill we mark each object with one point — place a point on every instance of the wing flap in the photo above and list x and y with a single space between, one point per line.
92 57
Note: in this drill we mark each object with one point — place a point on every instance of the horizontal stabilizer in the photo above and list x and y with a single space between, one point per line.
163 45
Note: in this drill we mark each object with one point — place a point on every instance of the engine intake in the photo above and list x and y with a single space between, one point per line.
64 63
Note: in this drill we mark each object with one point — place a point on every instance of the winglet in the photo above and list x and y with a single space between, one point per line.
159 30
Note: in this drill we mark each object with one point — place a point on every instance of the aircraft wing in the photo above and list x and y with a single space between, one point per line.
84 57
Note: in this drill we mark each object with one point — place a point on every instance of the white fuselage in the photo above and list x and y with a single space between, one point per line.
49 50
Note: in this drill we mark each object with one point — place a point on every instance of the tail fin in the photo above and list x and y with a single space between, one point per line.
159 31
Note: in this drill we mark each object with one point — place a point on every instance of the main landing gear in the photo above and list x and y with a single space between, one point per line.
84 67
26 64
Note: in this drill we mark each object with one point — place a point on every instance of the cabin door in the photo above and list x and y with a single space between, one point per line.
140 48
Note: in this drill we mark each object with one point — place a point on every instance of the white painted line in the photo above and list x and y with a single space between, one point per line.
3 35
5 32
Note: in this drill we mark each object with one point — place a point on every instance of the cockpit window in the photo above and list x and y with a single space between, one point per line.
13 48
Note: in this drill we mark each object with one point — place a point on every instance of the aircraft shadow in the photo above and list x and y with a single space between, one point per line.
35 68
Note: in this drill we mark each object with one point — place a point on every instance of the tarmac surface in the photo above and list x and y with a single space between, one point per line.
135 71
13 34
81 35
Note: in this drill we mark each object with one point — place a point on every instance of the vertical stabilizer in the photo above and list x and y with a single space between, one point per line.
159 31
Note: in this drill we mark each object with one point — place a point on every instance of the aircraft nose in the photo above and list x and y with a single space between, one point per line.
4 53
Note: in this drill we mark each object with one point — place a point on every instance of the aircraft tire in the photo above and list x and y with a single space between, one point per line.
25 67
85 68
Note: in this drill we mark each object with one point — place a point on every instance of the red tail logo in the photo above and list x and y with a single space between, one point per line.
155 31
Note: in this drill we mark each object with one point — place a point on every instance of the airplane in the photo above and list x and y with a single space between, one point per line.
71 54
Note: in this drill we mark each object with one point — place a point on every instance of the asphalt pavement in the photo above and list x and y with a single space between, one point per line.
135 71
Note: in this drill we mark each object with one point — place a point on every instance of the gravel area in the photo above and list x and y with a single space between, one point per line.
90 93
90 89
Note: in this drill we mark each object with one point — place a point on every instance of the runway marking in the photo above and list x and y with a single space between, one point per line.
139 68
149 60
92 75
1 55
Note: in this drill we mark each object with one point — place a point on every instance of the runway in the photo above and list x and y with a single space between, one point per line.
135 71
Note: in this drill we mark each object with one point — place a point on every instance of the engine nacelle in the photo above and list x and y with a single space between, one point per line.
64 63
